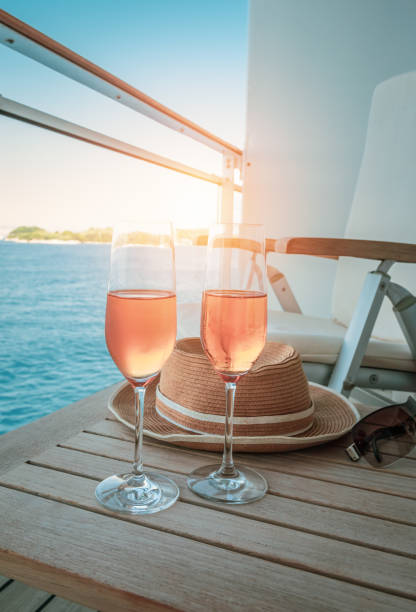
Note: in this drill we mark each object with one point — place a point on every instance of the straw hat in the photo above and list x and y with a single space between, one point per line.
276 409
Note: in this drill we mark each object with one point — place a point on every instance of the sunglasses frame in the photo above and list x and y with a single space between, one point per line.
409 407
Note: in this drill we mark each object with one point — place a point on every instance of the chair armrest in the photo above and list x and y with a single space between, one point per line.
344 247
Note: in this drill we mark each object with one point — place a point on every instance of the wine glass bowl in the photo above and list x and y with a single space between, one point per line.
140 331
233 327
233 334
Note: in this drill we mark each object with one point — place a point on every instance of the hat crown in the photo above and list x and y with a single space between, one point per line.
272 399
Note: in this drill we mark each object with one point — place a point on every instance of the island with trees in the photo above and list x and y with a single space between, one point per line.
33 233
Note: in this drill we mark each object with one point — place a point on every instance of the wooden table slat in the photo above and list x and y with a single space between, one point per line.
372 480
333 452
97 545
340 471
293 486
404 466
384 571
331 535
22 443
358 529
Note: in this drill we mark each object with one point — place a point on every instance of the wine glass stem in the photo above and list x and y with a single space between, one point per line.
227 468
139 393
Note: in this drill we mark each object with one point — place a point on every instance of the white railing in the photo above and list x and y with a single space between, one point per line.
19 36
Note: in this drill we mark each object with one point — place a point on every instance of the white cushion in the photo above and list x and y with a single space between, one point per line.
383 207
316 340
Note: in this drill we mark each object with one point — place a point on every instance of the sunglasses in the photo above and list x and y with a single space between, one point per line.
385 435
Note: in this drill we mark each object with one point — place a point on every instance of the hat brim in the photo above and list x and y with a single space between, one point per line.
334 416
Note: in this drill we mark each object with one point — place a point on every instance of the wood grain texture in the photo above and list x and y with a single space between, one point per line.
293 486
324 528
94 546
74 586
19 597
370 480
328 453
276 510
345 247
347 562
57 604
21 444
336 454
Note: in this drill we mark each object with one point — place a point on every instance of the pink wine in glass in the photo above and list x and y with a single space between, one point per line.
233 329
140 330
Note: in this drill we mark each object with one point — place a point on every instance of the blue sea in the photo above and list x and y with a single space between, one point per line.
52 309
52 347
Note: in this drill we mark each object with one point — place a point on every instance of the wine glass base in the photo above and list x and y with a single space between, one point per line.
132 494
248 487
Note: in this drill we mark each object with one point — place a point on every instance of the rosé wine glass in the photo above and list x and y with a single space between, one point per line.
140 331
233 334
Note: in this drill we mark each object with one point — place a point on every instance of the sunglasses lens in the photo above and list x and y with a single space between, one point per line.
385 435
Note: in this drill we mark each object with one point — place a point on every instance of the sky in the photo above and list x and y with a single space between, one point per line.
190 55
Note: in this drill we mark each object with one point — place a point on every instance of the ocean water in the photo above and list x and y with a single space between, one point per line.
52 347
52 309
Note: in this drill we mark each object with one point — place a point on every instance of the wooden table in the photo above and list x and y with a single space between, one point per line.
330 534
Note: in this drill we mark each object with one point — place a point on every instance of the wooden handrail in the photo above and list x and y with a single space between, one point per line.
345 247
331 248
237 243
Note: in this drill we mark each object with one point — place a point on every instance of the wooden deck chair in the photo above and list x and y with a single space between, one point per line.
363 344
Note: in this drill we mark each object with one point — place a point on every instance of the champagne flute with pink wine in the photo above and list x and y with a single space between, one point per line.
233 334
140 331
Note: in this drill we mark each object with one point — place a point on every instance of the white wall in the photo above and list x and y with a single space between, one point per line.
313 66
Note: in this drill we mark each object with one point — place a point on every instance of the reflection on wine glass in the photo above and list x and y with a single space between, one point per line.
233 334
140 331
